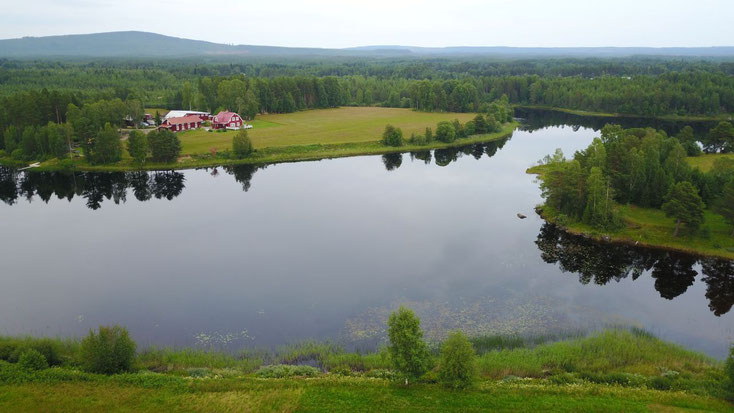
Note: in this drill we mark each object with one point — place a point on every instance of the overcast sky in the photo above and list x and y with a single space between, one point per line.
344 23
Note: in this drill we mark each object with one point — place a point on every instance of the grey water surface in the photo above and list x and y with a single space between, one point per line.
325 250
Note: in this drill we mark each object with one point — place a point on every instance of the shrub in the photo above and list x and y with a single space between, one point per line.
660 383
408 351
445 132
108 351
32 359
458 365
279 371
418 139
198 372
12 348
429 135
392 136
241 144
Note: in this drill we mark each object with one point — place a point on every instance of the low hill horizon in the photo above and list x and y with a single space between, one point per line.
149 45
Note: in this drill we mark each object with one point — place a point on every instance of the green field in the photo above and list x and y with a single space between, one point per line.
324 126
613 370
706 162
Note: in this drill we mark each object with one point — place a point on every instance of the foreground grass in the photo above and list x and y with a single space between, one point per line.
344 394
577 112
650 227
613 370
706 162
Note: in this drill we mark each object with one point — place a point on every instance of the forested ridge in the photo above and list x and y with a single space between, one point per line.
37 97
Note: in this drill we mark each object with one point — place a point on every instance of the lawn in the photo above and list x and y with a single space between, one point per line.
612 370
706 162
324 126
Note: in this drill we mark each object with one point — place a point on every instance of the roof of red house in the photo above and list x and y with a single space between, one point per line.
224 117
183 119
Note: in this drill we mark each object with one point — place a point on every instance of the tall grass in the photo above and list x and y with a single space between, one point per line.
628 351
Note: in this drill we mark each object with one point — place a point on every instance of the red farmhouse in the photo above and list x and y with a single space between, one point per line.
181 123
227 120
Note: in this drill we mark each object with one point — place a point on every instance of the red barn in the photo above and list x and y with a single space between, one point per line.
227 120
181 123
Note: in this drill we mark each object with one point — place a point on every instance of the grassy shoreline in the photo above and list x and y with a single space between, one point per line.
682 118
649 227
272 155
610 370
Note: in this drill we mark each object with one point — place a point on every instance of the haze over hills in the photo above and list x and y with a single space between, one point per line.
148 45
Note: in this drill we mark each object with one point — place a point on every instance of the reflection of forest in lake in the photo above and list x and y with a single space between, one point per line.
96 187
602 262
535 119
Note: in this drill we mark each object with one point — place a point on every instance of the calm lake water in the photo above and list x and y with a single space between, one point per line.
258 257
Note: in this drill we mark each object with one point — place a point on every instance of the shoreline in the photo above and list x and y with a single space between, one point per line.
676 118
623 240
596 235
272 155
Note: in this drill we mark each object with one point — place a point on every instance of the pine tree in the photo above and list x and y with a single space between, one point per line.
684 205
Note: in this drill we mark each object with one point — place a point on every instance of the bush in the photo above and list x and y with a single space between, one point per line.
32 359
279 371
392 136
445 132
458 366
418 139
241 144
12 348
408 351
108 351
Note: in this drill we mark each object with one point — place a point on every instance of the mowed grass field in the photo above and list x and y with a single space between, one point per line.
706 162
324 126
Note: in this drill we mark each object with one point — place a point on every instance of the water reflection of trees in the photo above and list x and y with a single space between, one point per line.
94 187
601 262
445 156
535 119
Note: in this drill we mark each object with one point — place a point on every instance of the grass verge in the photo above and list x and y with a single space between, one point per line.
610 370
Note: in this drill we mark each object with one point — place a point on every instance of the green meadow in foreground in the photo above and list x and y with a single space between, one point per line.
612 370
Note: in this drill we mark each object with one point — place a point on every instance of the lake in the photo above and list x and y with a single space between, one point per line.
263 256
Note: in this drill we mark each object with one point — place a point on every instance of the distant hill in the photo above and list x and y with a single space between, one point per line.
557 51
143 44
134 44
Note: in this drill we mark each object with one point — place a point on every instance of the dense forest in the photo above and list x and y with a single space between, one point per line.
46 106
